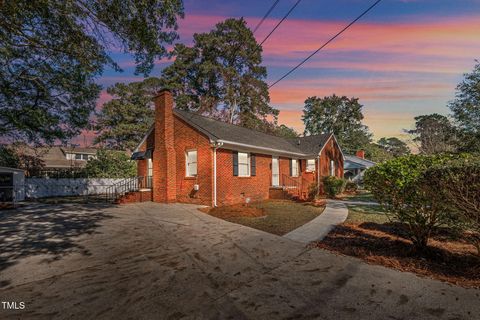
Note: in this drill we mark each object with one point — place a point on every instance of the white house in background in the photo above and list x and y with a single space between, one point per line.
355 166
12 182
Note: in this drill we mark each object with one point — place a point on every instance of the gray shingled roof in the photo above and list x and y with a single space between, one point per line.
217 130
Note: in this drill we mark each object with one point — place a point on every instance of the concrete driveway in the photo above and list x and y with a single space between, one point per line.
153 261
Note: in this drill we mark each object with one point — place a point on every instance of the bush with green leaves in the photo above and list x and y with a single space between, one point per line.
111 164
351 187
333 186
458 184
401 187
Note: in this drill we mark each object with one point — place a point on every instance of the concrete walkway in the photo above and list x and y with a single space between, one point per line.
335 213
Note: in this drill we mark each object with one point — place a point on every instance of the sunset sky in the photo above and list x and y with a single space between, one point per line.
403 59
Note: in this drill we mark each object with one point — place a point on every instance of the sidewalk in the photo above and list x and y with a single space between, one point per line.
336 212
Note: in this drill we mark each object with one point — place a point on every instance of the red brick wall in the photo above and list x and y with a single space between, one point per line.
331 152
232 189
187 138
164 162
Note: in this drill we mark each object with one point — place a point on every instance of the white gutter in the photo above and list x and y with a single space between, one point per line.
215 147
262 148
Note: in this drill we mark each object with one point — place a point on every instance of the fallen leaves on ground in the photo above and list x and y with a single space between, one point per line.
447 259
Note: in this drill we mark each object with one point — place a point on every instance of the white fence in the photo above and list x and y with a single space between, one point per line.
49 187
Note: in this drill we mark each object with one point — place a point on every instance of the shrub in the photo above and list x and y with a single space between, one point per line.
111 164
458 183
351 187
333 186
312 190
401 187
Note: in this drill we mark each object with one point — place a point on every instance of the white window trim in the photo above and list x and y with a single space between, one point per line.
295 173
187 173
249 164
310 170
332 168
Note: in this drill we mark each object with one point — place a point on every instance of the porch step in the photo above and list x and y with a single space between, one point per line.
135 196
286 194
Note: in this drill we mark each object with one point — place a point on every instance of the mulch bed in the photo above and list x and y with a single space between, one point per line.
448 258
239 210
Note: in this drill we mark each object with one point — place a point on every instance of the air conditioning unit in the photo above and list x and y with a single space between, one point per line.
196 187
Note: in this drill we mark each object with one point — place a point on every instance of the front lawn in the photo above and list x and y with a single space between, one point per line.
369 235
366 213
360 196
274 216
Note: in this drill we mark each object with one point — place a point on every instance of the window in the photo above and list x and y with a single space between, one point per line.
149 167
243 164
332 168
294 168
80 156
191 160
310 165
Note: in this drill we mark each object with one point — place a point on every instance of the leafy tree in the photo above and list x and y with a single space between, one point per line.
394 146
123 121
221 76
458 182
434 134
466 110
284 131
8 157
376 153
111 164
21 157
52 51
340 115
399 186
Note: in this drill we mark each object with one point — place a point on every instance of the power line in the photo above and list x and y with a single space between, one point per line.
266 15
325 44
280 22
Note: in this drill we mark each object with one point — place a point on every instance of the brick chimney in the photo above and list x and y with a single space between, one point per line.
164 160
361 154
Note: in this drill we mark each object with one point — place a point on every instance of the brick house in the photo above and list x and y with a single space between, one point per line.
194 159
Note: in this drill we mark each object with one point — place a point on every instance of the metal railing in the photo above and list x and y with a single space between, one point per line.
291 184
296 186
119 189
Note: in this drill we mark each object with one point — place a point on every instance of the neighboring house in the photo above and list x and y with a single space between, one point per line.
62 158
355 166
196 159
59 157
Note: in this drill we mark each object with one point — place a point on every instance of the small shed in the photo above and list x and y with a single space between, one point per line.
12 186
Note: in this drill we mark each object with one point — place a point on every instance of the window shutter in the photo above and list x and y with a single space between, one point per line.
291 171
253 165
300 166
235 163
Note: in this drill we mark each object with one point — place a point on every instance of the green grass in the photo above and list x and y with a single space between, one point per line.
281 216
361 196
366 213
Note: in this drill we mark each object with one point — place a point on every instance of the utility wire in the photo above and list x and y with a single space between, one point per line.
325 44
280 22
266 15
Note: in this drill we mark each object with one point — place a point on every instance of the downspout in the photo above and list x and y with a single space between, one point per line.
216 145
318 173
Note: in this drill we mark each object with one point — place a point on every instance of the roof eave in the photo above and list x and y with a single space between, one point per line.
227 143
